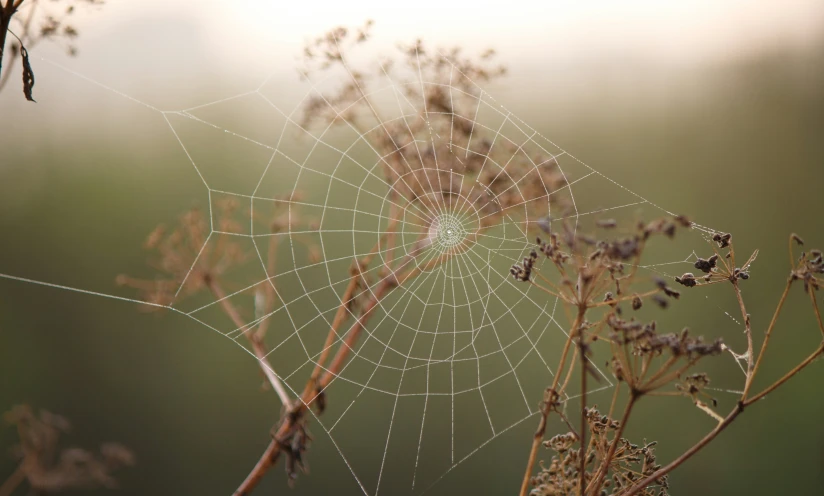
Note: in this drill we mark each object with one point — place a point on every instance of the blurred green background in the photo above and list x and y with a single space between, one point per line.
725 127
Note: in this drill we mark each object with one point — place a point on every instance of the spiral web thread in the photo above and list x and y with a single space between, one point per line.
451 360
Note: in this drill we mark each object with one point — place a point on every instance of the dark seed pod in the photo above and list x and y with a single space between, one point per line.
687 280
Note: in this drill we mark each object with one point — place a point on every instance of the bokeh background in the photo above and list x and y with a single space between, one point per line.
715 109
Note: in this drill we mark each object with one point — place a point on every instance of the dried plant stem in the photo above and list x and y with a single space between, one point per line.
272 452
266 461
257 344
6 12
752 370
818 352
24 35
340 317
341 314
533 453
747 328
816 311
767 335
722 425
601 474
583 435
389 283
635 489
13 482
545 409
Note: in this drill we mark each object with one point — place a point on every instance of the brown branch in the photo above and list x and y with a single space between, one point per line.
603 469
24 35
270 456
266 461
635 489
545 410
747 328
13 482
767 335
584 372
6 14
798 368
721 426
257 345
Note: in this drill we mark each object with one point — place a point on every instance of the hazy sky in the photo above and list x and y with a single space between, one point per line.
677 29
155 49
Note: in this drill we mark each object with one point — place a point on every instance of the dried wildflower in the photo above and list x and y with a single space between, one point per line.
683 221
723 239
809 267
671 292
563 474
524 271
706 265
419 176
294 445
184 260
47 468
660 301
28 74
686 279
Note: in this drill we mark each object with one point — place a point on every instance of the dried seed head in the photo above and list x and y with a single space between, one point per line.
683 220
660 301
723 239
687 280
706 265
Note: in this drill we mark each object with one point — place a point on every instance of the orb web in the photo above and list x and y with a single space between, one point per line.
456 355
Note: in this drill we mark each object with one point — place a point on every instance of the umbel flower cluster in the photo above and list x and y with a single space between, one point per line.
598 281
630 463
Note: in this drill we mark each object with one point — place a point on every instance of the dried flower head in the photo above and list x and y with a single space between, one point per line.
48 468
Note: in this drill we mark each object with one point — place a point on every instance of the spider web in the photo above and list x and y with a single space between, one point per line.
450 360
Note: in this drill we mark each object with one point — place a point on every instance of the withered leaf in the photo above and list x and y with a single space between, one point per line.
28 74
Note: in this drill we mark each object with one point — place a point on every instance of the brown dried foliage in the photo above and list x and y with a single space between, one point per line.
645 362
48 468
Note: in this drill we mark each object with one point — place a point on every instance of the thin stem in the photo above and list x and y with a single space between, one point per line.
270 456
257 345
661 371
603 469
614 400
623 298
6 13
650 386
340 317
817 312
569 370
15 479
583 359
767 335
549 291
747 330
635 489
721 426
552 392
798 368
266 461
